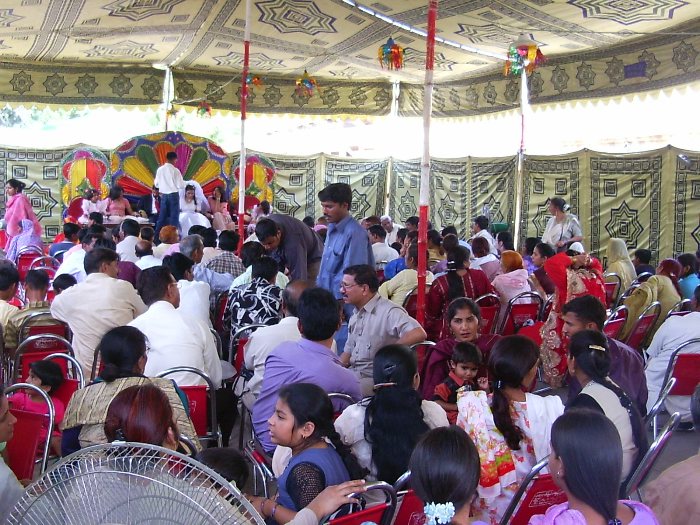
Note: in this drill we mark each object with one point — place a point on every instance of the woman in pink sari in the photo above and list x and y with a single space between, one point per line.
18 207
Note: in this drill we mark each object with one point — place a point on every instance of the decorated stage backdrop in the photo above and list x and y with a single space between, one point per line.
650 199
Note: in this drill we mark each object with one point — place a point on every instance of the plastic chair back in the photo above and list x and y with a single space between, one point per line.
340 402
613 284
615 322
410 303
200 398
262 467
220 312
381 514
547 308
517 314
26 445
36 348
643 326
537 492
47 263
25 258
410 509
489 312
42 322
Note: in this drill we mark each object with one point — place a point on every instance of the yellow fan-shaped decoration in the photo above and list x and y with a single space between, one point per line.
208 171
137 170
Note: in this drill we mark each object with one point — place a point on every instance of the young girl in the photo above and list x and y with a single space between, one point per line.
91 204
48 376
511 427
303 417
464 367
463 318
444 474
586 463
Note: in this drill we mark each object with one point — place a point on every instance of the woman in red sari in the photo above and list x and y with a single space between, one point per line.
459 281
573 276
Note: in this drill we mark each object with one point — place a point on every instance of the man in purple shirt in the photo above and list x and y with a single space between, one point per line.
309 360
626 364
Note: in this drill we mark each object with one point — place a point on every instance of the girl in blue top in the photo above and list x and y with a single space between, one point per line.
303 417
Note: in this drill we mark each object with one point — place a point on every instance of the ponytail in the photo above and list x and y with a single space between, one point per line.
456 259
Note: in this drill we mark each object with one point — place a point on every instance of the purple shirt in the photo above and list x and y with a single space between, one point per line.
300 361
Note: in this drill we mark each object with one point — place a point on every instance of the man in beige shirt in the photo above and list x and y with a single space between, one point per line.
9 279
99 303
36 285
377 322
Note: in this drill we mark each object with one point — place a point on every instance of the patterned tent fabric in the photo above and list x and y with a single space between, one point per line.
649 199
65 52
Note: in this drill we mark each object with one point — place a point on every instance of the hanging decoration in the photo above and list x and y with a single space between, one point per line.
253 80
391 55
525 54
306 85
204 109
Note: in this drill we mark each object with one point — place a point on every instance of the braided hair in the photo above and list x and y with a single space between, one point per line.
456 260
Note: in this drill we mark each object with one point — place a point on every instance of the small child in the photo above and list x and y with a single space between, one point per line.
229 463
464 366
48 376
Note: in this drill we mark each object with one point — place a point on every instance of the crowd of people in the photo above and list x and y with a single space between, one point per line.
319 306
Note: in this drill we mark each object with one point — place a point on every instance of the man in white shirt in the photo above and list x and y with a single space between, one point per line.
129 233
391 229
93 307
174 339
74 264
169 180
146 259
193 247
480 229
383 253
194 295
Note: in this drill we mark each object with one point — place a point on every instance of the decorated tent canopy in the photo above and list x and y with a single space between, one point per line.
103 52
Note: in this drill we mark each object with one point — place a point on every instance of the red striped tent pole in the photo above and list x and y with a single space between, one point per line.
244 103
424 195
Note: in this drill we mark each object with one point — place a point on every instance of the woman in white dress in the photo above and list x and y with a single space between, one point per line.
192 209
563 228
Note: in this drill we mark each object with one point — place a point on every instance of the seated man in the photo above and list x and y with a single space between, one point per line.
174 339
70 234
383 253
258 302
144 251
194 295
36 286
209 239
377 322
309 360
147 234
128 271
74 263
129 236
9 280
626 364
641 260
673 496
192 246
671 334
100 303
149 205
227 261
251 252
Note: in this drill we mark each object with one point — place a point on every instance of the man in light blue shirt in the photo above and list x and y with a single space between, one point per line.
347 243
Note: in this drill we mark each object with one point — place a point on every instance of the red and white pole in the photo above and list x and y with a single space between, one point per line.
244 103
424 196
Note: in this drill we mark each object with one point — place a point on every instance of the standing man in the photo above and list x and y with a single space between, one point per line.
168 181
347 243
392 230
292 244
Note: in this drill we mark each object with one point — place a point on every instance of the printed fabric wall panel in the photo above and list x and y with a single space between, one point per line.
404 190
492 189
367 178
448 194
296 184
685 166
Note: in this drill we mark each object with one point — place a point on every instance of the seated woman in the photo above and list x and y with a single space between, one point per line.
539 280
483 259
449 243
142 414
586 463
397 288
116 205
27 238
619 262
513 280
589 362
123 353
662 287
369 427
445 470
510 427
91 204
460 281
218 205
464 320
689 279
435 250
303 420
191 211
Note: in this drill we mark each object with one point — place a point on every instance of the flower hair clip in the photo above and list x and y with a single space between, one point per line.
441 513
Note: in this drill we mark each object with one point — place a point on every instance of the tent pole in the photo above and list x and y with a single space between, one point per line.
244 103
519 179
424 195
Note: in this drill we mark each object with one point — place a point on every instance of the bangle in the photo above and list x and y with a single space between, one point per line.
274 509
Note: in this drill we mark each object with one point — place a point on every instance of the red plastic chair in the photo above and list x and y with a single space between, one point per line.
42 323
489 312
220 312
547 308
613 285
70 384
36 348
200 398
262 466
410 507
538 492
643 326
615 322
679 309
25 446
410 303
25 258
381 514
518 314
